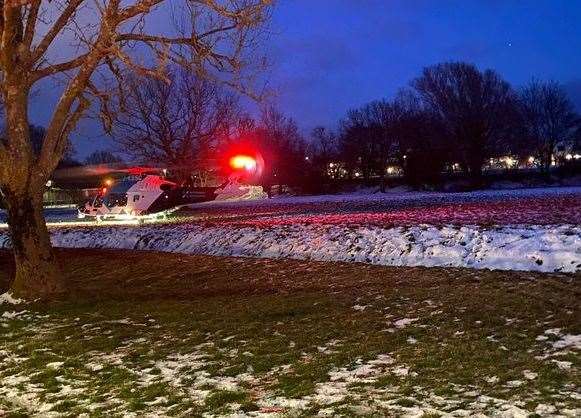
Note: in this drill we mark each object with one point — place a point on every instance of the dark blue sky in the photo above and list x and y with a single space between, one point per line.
330 55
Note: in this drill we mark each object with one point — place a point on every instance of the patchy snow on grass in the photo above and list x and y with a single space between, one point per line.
372 387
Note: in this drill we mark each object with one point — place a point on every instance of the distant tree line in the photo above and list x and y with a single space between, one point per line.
452 114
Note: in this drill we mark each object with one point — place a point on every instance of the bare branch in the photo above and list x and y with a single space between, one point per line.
142 7
58 26
31 19
58 68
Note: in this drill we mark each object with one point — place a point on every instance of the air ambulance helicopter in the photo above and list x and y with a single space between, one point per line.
147 193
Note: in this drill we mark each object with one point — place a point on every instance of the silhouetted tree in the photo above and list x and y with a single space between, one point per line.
283 147
175 122
324 150
381 132
548 118
102 157
423 149
475 108
358 142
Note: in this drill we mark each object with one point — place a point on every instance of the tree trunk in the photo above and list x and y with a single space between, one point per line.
547 159
38 275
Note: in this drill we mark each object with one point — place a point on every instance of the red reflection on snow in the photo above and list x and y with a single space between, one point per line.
529 211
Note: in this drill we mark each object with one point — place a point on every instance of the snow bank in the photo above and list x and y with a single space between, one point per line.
234 192
539 248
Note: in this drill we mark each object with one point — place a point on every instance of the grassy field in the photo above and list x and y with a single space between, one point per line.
165 334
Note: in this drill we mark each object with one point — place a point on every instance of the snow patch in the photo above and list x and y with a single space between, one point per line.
7 298
404 322
234 192
568 341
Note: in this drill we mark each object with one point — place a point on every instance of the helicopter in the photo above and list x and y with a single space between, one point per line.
147 193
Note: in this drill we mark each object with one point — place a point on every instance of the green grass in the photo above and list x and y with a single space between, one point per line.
184 336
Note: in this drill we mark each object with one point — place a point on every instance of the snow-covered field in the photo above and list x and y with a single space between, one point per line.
529 229
542 206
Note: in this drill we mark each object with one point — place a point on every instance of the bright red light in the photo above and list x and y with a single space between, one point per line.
104 190
243 162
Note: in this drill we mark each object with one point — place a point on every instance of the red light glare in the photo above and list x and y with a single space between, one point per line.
104 190
243 162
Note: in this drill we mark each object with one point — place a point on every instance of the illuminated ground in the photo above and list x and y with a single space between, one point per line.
535 229
166 334
542 206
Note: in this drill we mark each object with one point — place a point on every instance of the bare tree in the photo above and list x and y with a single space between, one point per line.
278 139
358 142
283 147
174 122
372 133
102 157
324 146
214 39
549 117
324 142
422 146
476 108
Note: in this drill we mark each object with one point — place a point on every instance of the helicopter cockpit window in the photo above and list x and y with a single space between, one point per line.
116 199
97 202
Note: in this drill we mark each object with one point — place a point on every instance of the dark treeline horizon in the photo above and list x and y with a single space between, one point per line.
451 114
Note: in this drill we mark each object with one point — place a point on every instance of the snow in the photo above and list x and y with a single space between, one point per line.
563 365
528 247
54 365
236 192
7 298
572 341
402 323
530 375
478 195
